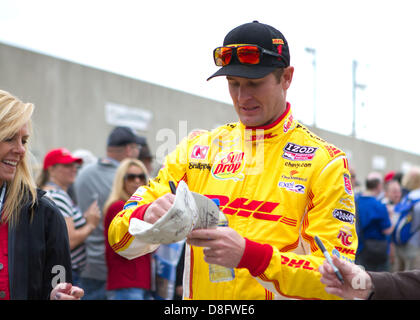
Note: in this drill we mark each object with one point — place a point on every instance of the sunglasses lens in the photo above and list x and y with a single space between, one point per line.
222 56
132 177
248 54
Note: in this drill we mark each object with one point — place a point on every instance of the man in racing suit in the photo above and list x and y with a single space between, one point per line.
278 184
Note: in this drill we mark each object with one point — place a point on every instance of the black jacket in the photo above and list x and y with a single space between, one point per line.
39 252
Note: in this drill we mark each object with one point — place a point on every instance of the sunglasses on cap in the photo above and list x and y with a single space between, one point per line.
246 54
131 177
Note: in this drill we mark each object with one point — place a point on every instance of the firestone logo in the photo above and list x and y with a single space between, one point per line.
344 215
229 165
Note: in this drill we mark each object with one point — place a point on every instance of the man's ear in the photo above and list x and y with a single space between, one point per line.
287 77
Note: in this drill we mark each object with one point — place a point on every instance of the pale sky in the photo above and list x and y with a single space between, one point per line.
170 43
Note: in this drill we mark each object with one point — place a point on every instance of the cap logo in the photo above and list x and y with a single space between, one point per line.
278 41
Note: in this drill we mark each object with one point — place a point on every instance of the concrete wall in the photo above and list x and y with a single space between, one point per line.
70 112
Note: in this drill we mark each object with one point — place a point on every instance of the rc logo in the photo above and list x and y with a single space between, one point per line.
345 236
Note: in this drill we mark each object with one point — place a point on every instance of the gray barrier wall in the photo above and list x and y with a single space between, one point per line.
71 101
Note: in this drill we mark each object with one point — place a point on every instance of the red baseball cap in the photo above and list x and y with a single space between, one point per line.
61 155
389 176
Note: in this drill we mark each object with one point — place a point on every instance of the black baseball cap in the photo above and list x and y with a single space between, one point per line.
121 136
259 34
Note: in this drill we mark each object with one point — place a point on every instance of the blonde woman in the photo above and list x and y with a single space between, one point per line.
34 247
127 279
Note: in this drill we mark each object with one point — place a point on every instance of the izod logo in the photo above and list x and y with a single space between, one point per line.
229 165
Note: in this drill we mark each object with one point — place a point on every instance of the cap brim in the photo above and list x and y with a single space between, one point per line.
71 160
244 71
139 140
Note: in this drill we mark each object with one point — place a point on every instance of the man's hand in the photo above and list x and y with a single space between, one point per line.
222 245
66 291
357 282
158 208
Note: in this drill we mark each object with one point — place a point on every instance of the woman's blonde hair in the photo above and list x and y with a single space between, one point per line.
14 114
411 180
117 191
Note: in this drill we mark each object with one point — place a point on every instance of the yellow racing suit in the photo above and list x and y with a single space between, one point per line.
279 186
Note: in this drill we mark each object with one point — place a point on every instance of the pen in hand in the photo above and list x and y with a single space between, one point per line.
328 257
172 186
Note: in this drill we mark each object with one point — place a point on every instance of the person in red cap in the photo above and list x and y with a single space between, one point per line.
58 174
60 156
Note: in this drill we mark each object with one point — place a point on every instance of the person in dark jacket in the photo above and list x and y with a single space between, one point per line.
35 258
361 284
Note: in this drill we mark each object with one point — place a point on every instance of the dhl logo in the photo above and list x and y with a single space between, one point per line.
332 150
278 41
346 250
294 263
244 207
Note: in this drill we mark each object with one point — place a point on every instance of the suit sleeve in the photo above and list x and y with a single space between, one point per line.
120 240
58 259
330 215
396 286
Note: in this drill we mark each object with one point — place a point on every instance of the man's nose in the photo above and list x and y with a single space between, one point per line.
244 94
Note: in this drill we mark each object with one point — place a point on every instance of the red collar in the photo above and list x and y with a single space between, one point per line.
272 125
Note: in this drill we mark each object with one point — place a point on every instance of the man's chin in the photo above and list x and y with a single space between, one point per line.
249 121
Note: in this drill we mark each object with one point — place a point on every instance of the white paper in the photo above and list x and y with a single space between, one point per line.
189 211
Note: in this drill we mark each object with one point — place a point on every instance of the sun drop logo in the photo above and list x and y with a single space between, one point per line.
229 165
